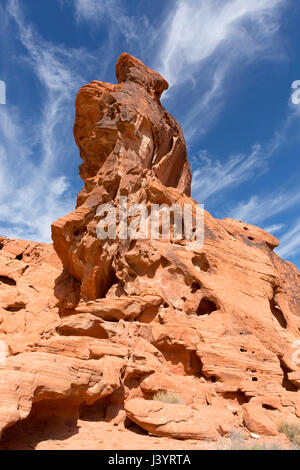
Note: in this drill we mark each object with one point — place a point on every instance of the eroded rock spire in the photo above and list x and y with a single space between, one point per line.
209 329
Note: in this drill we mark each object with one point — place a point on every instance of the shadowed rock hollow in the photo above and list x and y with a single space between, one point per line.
101 328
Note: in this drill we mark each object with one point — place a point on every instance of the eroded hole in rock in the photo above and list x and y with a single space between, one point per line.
251 238
132 244
206 306
80 231
254 379
16 307
19 257
286 383
195 287
164 262
1 246
237 397
8 281
245 332
200 261
272 247
277 313
111 281
246 228
268 407
243 350
195 365
95 412
196 369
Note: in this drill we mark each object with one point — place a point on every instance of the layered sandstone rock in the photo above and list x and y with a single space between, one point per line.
28 274
126 318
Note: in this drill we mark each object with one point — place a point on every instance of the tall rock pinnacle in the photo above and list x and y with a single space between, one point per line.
128 143
187 338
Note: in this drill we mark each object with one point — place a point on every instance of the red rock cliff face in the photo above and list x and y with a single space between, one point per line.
212 327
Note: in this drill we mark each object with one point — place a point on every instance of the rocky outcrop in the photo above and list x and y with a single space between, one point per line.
124 318
28 273
180 421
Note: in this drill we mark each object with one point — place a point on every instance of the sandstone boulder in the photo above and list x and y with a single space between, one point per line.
179 421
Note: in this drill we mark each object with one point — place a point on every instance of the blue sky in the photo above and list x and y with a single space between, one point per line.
230 65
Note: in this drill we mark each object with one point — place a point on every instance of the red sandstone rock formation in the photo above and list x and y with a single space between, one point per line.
128 318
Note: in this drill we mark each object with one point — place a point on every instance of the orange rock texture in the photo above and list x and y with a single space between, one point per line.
113 325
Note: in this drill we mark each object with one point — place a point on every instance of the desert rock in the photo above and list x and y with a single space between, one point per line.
108 323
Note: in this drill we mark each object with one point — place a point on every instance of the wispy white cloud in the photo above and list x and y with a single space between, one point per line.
95 11
274 228
290 242
259 209
228 174
212 176
195 30
34 148
34 192
30 199
204 41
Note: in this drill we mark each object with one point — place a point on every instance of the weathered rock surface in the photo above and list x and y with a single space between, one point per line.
179 421
28 273
108 323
